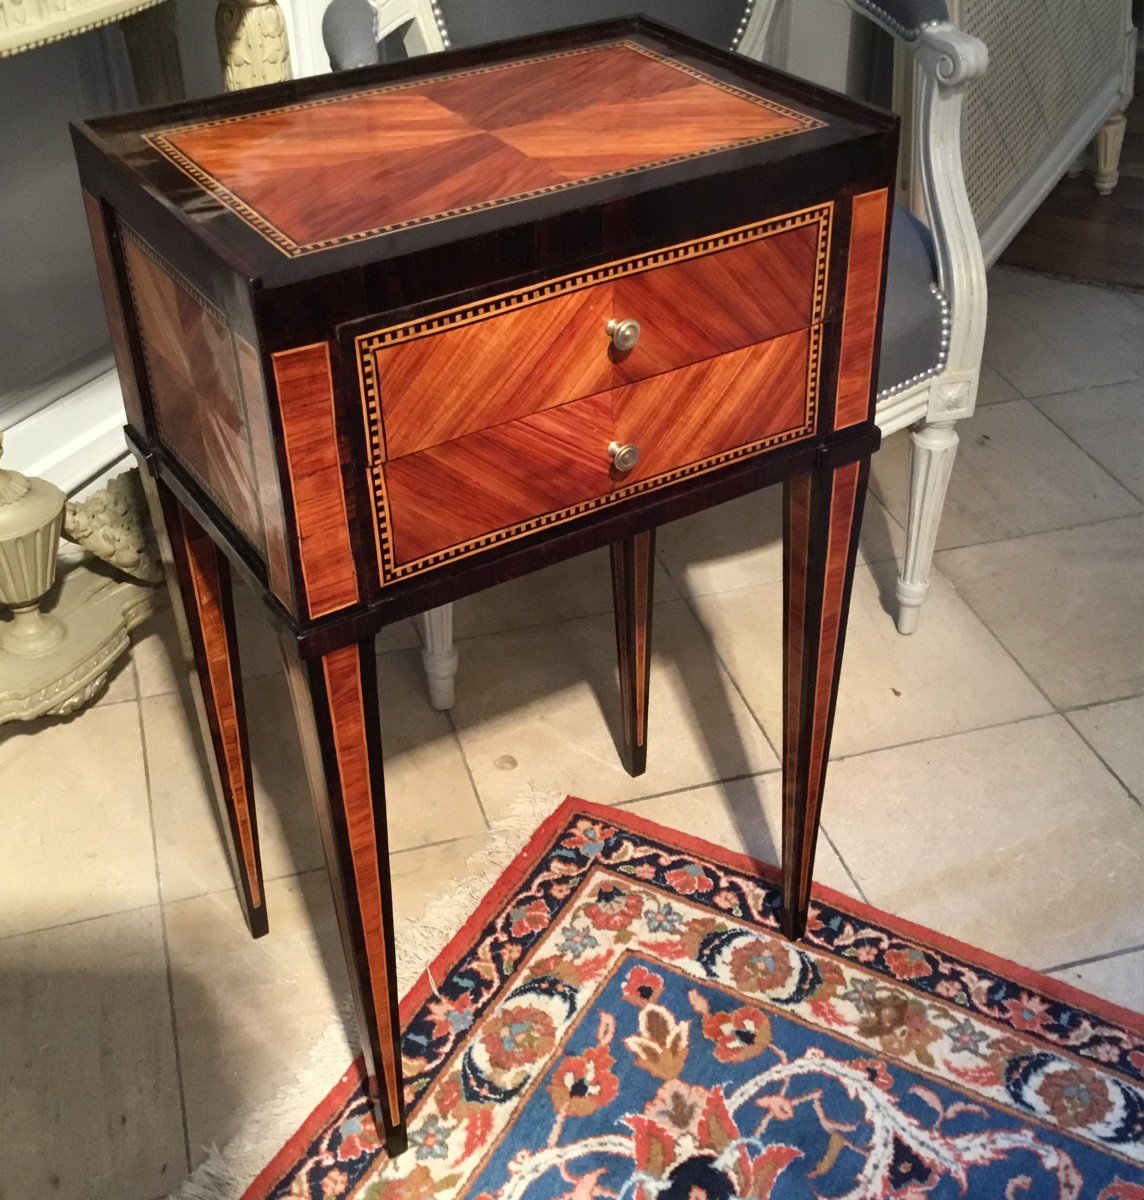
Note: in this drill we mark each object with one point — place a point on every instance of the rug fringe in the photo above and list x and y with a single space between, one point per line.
226 1174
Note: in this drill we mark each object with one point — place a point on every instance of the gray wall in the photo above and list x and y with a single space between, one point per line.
53 335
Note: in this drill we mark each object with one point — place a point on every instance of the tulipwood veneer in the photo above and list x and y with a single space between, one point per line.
378 340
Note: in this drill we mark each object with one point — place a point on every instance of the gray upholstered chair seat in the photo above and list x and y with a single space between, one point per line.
912 326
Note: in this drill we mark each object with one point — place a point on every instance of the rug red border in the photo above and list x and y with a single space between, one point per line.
513 876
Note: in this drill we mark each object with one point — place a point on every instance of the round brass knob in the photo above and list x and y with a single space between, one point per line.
623 457
624 334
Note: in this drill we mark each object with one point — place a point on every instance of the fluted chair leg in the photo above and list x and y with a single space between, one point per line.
931 462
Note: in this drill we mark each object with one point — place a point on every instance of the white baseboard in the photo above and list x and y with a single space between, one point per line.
75 442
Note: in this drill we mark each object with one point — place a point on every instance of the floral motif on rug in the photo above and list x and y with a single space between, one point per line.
622 1019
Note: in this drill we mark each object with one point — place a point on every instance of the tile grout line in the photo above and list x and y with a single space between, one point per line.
755 717
1096 958
846 867
1088 454
115 912
687 598
941 737
694 787
166 944
469 772
1063 392
1017 537
1069 709
462 837
1004 378
1137 800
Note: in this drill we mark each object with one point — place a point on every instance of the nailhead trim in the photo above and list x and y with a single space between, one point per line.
942 354
907 31
439 17
744 21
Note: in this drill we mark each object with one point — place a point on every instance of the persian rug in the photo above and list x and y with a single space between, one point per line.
620 1018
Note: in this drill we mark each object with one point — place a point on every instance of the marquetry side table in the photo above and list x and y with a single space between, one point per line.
390 337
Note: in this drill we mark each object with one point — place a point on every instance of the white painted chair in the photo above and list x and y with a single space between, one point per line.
936 298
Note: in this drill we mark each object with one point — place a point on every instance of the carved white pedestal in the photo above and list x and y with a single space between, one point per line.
98 611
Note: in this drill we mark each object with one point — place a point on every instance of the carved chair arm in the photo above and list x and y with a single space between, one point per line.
947 59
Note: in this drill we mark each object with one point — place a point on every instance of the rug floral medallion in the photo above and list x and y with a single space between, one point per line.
622 1019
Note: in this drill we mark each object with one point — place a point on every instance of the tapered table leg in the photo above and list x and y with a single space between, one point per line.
335 703
633 569
822 517
200 586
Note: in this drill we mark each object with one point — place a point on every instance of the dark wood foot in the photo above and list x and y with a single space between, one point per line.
335 703
822 517
200 585
633 571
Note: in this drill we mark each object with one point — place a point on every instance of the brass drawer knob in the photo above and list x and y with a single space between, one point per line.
625 334
623 457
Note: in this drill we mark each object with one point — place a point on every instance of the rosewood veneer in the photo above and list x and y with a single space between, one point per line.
389 337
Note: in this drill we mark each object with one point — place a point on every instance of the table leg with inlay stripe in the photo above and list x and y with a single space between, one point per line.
204 610
822 517
339 725
633 572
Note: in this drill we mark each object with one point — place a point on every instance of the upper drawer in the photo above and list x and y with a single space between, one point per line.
449 374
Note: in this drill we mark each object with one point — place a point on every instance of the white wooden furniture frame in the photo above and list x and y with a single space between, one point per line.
932 403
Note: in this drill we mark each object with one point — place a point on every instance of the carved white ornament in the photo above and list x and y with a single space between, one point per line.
253 46
113 525
25 24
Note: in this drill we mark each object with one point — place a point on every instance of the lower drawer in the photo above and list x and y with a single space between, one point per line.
498 483
499 477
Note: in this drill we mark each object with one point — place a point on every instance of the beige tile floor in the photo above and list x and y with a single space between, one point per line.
988 775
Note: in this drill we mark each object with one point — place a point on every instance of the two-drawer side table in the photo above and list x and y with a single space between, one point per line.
390 337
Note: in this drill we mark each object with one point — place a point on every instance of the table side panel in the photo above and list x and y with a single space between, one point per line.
196 395
260 427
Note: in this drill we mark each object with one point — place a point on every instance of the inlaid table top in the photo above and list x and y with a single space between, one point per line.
339 171
424 150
